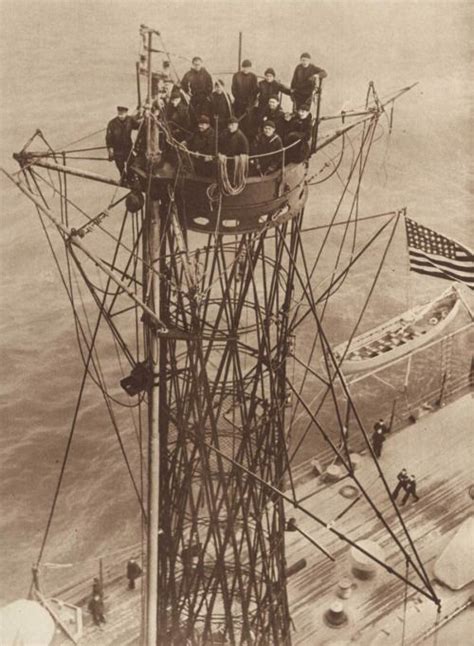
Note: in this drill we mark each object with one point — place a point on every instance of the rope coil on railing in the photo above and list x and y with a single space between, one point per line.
240 174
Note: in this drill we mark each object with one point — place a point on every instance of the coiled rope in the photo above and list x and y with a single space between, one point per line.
239 180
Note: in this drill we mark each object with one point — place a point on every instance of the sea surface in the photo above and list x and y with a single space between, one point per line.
65 65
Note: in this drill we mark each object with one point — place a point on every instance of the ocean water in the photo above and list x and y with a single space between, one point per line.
65 66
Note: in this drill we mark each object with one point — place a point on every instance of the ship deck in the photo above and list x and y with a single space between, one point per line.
438 448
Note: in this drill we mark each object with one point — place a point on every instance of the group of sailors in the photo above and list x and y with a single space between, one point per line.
204 118
405 483
96 604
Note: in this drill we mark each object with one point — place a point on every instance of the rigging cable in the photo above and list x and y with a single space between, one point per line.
329 162
328 352
436 626
107 398
69 442
297 505
330 291
304 435
405 604
88 360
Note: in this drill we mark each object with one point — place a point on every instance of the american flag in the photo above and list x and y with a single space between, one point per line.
434 254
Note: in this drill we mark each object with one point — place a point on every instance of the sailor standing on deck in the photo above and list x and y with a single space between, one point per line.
203 142
232 141
303 82
96 608
133 572
266 143
402 478
97 588
378 438
221 104
177 116
274 113
410 489
298 128
244 89
198 83
118 138
381 424
269 87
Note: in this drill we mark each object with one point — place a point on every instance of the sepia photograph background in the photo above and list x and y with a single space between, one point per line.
65 66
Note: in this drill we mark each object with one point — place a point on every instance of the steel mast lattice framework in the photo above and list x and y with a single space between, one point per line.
222 558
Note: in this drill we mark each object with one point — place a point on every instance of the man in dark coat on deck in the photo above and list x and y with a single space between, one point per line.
402 478
244 89
303 82
221 104
410 489
378 438
274 113
203 141
265 143
197 82
134 571
97 588
118 138
269 87
298 129
232 140
381 424
177 116
96 608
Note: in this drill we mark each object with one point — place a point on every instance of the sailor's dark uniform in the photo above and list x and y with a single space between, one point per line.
263 145
203 143
133 572
96 608
298 129
303 84
278 118
244 90
410 489
267 89
178 121
119 138
233 143
199 85
378 438
401 484
381 424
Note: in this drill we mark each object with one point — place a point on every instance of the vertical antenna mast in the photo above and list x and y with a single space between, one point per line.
240 51
151 251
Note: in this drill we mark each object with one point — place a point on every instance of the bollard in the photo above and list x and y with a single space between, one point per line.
363 567
335 617
344 588
333 473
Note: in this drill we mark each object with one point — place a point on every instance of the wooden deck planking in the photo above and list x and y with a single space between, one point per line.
376 607
443 477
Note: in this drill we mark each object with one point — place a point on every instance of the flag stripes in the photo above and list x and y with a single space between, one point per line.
435 255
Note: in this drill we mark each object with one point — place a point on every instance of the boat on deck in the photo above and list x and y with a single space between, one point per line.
399 336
